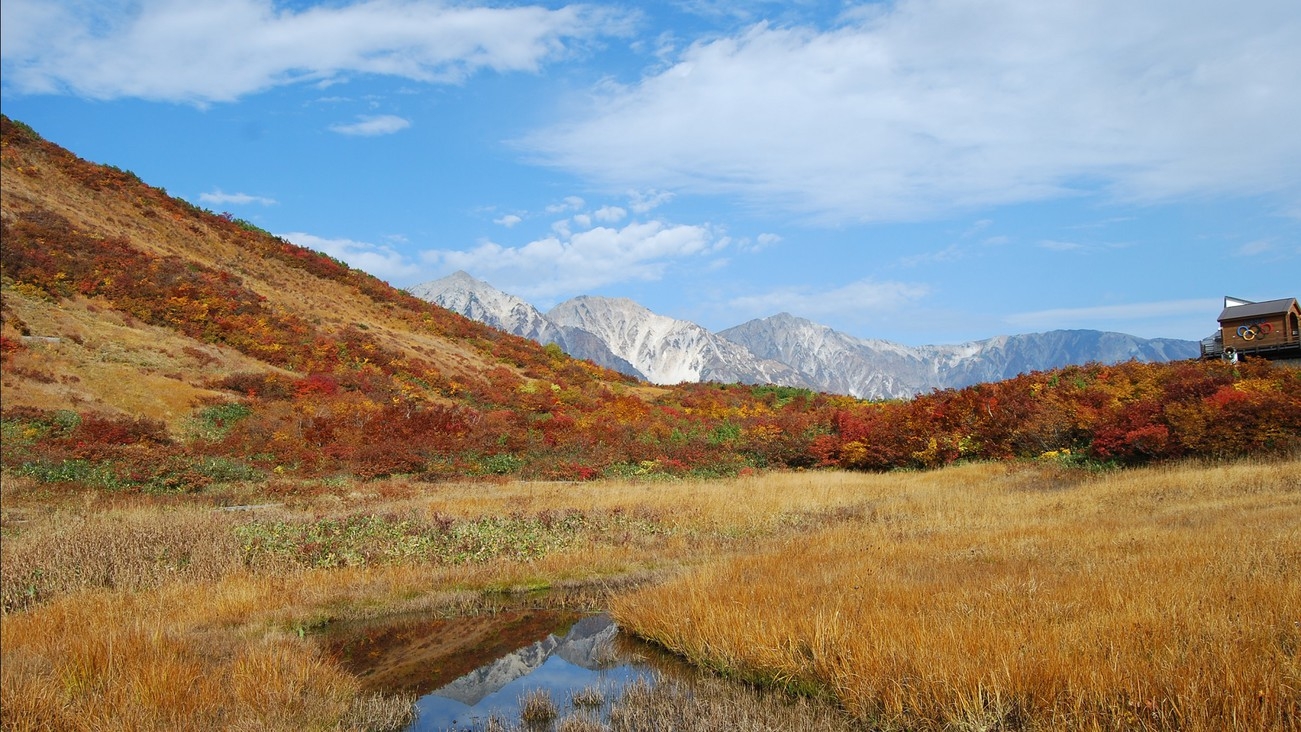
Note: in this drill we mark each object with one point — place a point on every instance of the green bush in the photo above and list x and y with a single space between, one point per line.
502 464
215 422
98 475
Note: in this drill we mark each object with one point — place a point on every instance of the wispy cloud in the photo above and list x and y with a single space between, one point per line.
571 263
576 258
1061 246
570 203
856 301
648 200
217 197
378 259
372 125
1130 317
765 240
951 253
1255 248
918 108
219 50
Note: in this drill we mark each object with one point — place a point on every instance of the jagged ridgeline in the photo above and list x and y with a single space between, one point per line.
782 349
150 344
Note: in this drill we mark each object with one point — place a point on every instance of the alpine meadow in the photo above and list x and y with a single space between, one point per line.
220 446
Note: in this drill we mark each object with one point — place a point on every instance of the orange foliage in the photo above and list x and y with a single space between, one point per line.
359 406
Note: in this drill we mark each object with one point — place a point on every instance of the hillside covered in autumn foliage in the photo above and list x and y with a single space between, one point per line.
152 345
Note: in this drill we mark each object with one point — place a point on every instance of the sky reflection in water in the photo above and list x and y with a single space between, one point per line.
584 658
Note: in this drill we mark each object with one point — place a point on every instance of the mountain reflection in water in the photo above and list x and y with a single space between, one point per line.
583 658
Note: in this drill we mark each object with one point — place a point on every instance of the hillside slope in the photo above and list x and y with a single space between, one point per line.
136 302
147 344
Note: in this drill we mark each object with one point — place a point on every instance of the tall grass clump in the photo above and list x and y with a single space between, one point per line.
128 550
985 597
107 660
224 654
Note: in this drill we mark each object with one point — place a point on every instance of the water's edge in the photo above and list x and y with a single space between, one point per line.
466 670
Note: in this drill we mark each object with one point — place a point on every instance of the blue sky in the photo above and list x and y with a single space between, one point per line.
923 171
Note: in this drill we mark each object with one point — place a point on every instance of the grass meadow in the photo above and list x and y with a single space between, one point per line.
982 596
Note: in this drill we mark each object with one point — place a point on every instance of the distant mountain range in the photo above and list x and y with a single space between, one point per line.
781 349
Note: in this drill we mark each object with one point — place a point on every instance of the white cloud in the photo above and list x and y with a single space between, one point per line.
570 203
922 108
572 263
856 301
509 220
643 201
610 214
952 253
219 50
382 261
217 197
372 125
1135 318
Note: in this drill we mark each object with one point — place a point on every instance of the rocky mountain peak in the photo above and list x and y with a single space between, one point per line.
782 349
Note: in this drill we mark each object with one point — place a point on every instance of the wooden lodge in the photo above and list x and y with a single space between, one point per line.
1270 329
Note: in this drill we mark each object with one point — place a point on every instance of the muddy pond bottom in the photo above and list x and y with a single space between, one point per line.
468 671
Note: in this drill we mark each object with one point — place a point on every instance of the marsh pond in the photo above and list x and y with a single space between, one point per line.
468 671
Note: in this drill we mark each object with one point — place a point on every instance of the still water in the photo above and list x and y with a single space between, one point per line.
581 662
468 670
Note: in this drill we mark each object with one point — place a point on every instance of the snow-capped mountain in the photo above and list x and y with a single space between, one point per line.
835 362
1003 357
667 350
782 349
477 300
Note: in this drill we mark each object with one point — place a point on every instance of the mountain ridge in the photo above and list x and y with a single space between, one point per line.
784 349
461 293
668 350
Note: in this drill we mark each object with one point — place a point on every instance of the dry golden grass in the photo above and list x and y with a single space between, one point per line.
753 505
235 653
129 549
981 597
99 361
147 615
157 660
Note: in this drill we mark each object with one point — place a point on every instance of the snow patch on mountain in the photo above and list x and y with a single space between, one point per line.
872 369
667 350
478 300
782 349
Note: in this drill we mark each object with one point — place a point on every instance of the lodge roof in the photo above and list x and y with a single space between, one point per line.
1256 309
